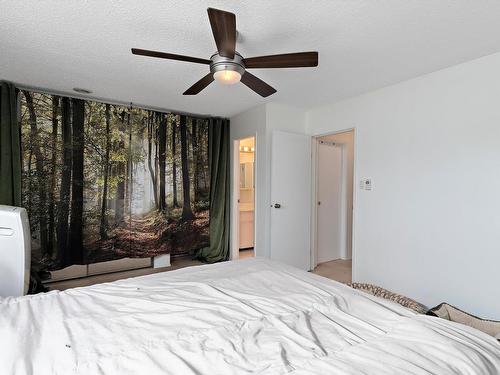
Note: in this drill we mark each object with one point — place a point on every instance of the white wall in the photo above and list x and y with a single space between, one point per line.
261 121
430 228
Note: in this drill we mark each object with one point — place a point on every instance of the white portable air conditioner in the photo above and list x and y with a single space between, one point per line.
15 251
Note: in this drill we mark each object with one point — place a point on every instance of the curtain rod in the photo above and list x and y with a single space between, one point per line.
107 101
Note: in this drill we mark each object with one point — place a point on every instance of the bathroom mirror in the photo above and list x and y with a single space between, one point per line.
246 176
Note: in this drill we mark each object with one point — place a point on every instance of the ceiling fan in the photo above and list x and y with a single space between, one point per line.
227 65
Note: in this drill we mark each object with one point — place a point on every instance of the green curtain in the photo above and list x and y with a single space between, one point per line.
218 160
10 147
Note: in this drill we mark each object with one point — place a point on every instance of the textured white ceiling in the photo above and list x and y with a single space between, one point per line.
362 44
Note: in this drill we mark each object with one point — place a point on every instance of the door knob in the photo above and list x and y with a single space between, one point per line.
277 205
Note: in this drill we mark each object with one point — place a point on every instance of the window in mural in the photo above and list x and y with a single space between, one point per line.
103 182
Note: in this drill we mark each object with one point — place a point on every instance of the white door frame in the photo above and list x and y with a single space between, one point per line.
314 198
234 252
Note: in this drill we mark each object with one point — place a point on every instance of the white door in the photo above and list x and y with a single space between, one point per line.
290 199
329 201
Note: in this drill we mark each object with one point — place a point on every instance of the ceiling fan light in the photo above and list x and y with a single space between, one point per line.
227 77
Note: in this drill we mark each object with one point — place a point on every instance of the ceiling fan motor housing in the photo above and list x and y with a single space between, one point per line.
220 63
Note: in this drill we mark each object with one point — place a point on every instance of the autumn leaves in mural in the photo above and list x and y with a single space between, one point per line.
102 182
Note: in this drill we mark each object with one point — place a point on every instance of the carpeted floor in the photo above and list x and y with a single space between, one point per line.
340 270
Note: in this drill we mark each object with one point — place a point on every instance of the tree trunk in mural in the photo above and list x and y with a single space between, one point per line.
120 172
63 211
53 177
127 168
157 168
187 213
205 175
76 221
162 142
30 183
174 164
103 227
40 173
150 152
194 143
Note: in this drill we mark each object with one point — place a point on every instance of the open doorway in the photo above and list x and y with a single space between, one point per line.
333 208
244 198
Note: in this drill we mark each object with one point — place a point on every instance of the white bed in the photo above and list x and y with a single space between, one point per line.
249 316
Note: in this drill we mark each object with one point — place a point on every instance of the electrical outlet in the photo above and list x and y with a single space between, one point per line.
365 184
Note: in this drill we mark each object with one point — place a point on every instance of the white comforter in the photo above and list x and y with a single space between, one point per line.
249 316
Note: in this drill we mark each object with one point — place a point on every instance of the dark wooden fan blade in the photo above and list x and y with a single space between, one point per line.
224 29
257 85
286 60
170 56
200 85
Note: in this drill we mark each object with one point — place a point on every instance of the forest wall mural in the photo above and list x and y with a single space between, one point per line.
103 182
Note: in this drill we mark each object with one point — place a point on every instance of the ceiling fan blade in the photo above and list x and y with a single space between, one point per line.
224 29
286 60
257 85
170 56
200 85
